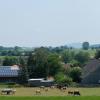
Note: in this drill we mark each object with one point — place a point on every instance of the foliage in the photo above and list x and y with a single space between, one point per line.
23 74
62 79
9 61
74 63
37 63
82 57
67 56
53 65
46 61
42 64
97 55
75 74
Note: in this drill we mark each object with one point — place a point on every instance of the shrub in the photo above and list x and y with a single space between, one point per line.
62 79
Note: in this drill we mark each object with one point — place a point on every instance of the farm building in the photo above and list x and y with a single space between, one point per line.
9 73
91 72
40 82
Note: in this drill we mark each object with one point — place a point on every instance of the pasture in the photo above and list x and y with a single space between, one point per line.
55 92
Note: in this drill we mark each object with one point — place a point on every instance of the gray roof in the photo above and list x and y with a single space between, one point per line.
91 66
9 71
91 72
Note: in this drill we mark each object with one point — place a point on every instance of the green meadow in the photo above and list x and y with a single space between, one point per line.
52 98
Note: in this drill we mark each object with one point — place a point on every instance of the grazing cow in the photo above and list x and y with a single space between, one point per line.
46 89
52 87
70 92
77 93
13 91
64 88
8 91
59 87
38 92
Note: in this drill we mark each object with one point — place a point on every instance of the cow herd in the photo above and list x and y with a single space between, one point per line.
62 89
42 90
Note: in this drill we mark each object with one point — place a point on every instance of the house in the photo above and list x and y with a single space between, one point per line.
40 82
9 73
91 72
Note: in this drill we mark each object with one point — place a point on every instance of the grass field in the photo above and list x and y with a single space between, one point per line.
56 92
53 94
51 98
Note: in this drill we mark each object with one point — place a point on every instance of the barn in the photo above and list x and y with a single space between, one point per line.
9 73
91 73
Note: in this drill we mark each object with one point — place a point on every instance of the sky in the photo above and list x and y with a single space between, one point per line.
32 23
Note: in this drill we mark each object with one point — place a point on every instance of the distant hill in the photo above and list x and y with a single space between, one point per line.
95 45
75 45
79 45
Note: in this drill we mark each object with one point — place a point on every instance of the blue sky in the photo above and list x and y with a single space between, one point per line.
49 22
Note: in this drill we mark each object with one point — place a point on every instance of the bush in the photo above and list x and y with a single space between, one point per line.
11 83
62 79
75 74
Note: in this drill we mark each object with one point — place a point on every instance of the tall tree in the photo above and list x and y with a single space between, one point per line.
37 63
67 56
82 57
54 65
23 74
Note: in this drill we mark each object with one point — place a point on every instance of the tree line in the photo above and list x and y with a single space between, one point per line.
63 64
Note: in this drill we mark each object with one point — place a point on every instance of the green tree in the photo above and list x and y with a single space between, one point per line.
85 45
62 79
97 55
67 56
75 74
53 65
23 74
74 63
82 57
9 61
37 63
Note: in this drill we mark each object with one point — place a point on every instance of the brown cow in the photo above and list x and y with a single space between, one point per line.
38 91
